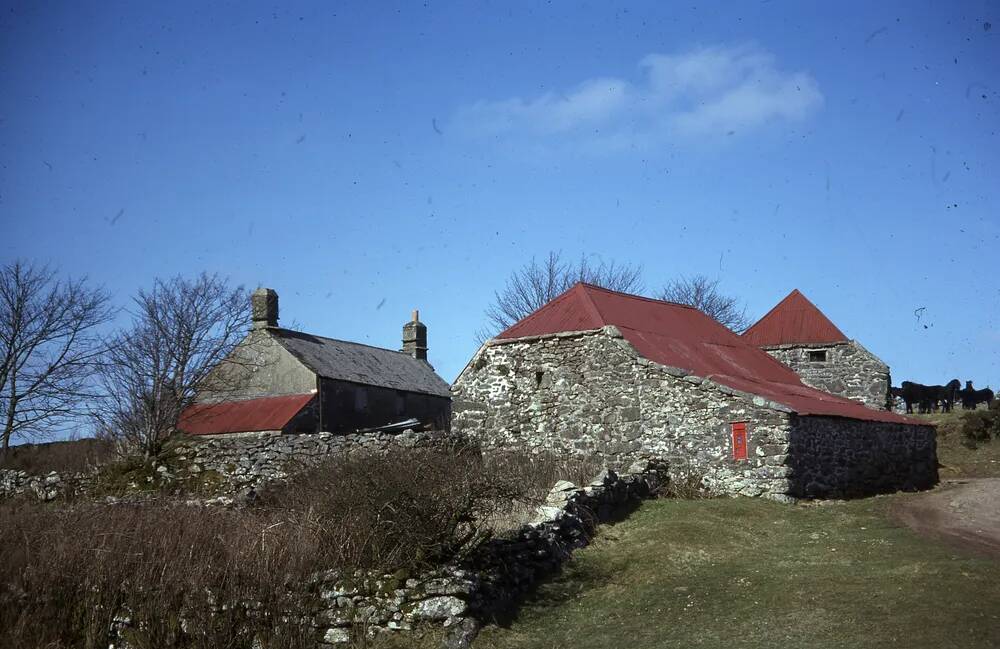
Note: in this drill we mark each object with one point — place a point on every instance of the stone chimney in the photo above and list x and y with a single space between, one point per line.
264 308
415 338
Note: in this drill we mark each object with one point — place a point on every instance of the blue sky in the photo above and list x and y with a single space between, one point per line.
366 160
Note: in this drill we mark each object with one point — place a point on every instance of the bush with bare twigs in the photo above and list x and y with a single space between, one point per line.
192 577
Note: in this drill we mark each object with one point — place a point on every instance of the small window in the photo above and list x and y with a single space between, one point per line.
538 379
739 440
817 355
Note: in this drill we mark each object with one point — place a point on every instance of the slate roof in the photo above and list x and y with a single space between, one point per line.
683 337
248 415
794 320
348 361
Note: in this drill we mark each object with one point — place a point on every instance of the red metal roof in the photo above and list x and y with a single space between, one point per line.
250 415
682 336
794 320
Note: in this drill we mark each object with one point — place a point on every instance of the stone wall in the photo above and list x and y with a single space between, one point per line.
252 459
849 371
461 595
590 393
831 456
43 487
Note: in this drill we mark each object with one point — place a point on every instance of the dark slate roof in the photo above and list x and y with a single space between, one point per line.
347 361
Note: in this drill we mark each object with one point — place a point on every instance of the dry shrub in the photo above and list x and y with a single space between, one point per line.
540 471
70 575
240 577
981 425
685 487
403 510
65 457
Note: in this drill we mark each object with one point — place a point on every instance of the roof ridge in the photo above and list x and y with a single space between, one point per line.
339 340
534 315
633 295
589 302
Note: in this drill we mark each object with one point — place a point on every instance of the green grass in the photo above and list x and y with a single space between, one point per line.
751 573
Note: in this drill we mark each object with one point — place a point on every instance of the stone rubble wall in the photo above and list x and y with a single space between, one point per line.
835 457
252 459
45 487
461 595
849 371
590 393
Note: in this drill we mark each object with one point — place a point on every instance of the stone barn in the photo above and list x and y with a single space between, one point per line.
799 335
287 381
597 372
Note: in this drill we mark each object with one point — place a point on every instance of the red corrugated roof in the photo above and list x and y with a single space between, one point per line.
684 337
794 320
250 415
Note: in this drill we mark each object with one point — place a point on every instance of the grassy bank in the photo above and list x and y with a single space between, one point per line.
749 573
956 457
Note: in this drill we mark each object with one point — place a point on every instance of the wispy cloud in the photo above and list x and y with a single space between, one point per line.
702 93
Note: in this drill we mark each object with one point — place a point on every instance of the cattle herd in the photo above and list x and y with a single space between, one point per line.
930 398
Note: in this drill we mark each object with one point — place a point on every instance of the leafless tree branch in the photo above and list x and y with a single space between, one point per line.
703 293
536 283
181 330
48 347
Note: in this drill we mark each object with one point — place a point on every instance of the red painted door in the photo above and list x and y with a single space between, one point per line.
739 441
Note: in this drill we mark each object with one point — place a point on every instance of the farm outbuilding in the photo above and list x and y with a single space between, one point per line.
288 381
623 377
799 335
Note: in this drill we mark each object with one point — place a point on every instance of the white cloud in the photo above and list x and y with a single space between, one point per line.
701 93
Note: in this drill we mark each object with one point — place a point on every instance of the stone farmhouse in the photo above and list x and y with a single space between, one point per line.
280 380
799 335
625 378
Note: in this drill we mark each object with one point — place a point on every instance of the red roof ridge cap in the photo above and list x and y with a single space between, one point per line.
633 295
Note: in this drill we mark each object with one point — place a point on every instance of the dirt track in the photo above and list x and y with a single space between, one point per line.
964 513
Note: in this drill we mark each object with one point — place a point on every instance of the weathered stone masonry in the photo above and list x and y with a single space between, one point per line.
590 393
849 370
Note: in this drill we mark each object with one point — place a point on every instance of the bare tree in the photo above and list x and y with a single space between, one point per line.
703 293
48 346
150 373
535 284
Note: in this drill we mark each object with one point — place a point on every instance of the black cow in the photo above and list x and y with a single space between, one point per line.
928 397
972 397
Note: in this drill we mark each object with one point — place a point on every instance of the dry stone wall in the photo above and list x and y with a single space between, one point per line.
590 393
831 456
252 459
474 589
44 487
849 371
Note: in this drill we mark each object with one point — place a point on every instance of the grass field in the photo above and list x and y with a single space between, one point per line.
750 573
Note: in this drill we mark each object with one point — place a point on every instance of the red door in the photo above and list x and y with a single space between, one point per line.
739 441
